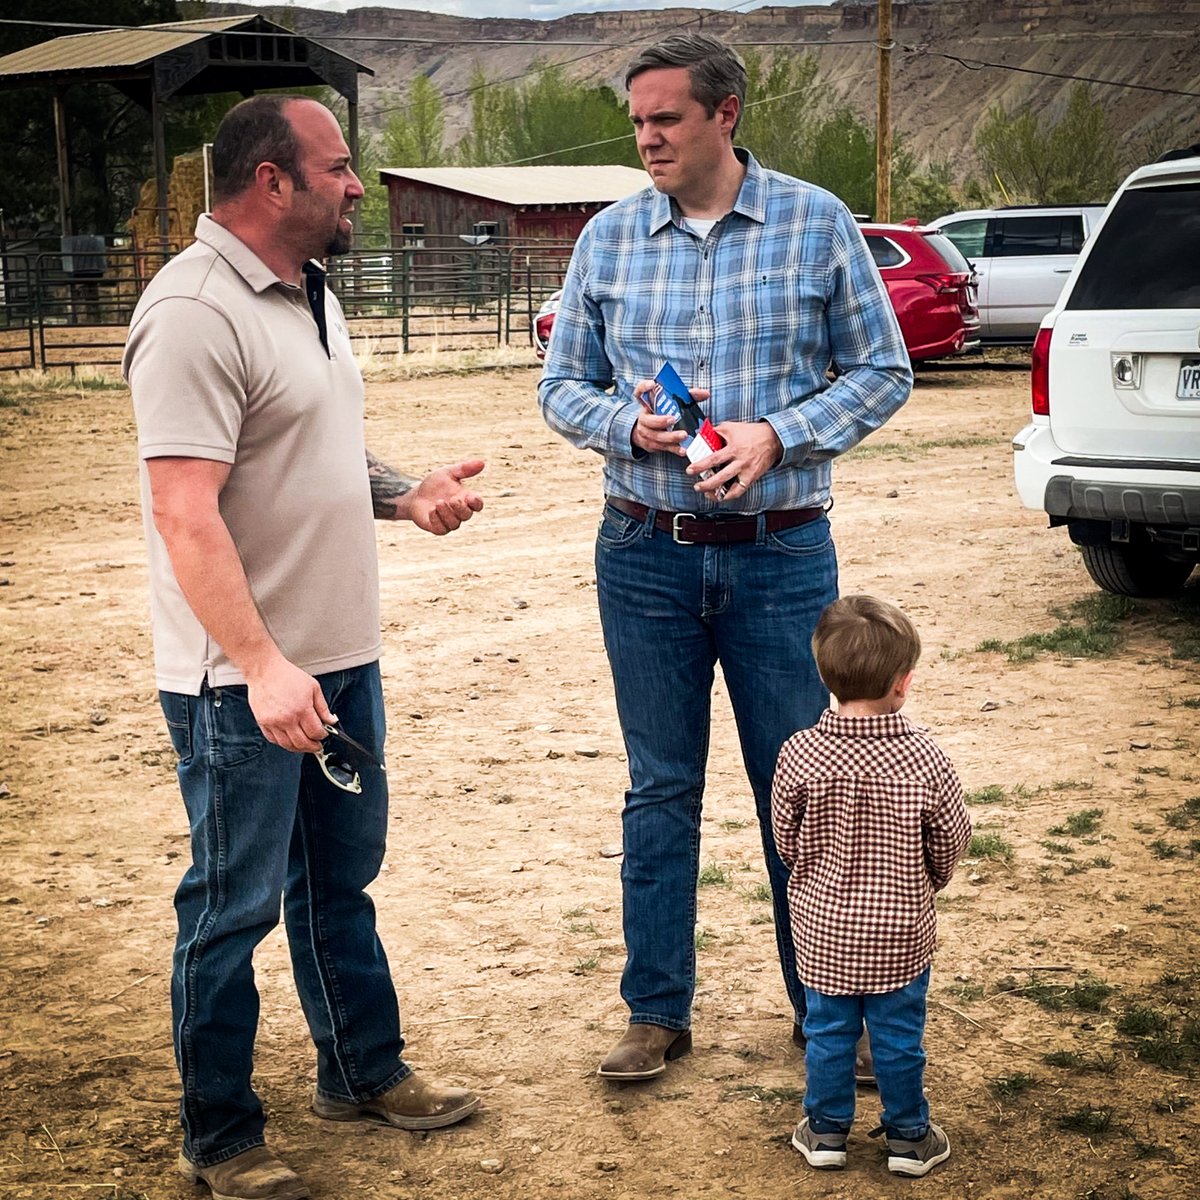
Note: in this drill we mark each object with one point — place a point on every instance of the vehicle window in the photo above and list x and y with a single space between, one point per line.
1146 254
1012 236
968 236
884 251
949 251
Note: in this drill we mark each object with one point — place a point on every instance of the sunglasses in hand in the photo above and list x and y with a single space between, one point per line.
341 757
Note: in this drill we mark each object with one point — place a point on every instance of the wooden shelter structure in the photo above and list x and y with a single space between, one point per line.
153 63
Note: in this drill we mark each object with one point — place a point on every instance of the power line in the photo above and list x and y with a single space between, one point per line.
517 162
979 64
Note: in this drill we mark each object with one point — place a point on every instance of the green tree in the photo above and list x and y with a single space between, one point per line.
414 135
781 109
549 120
789 125
373 223
486 140
841 158
1069 161
927 194
551 115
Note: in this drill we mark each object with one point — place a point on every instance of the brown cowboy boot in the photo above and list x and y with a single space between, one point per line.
414 1103
254 1174
644 1051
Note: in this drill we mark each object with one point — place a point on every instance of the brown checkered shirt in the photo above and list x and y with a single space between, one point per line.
868 814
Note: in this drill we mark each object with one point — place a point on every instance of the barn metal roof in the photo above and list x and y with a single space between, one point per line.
529 185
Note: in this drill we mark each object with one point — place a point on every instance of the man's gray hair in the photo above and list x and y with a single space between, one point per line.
715 68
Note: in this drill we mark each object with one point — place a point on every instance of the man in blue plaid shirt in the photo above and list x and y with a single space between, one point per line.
756 288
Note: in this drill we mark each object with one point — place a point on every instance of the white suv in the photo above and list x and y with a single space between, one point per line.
1113 449
1022 257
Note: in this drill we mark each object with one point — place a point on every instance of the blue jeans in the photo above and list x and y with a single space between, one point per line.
670 612
266 824
896 1022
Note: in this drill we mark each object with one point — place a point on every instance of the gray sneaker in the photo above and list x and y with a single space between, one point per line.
825 1151
918 1158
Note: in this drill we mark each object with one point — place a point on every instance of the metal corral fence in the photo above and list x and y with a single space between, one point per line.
60 308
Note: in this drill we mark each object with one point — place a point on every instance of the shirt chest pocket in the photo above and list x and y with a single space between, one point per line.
773 303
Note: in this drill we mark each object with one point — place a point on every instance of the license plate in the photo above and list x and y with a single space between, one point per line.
1189 379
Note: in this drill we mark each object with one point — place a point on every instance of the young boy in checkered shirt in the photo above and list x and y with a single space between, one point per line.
869 816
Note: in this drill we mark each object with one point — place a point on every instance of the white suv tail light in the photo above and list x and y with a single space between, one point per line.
1039 378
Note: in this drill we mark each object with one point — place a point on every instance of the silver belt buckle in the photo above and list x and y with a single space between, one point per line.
675 528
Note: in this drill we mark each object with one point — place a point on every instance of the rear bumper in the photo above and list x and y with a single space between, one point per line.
943 347
1068 488
1092 500
932 323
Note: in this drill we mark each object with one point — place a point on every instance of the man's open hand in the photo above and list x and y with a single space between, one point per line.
440 503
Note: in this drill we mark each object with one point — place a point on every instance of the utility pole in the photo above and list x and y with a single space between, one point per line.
883 115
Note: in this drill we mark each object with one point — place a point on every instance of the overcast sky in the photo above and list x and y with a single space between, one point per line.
540 9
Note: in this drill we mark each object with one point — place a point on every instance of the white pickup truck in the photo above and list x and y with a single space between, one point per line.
1022 257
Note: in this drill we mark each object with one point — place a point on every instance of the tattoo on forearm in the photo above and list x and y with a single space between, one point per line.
387 486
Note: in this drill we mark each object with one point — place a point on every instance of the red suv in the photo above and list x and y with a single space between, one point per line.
931 287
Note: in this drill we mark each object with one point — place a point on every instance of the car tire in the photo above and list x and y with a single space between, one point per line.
1135 569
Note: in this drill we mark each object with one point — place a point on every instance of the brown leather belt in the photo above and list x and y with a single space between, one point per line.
693 528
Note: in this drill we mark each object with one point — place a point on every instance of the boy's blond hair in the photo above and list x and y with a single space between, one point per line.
862 645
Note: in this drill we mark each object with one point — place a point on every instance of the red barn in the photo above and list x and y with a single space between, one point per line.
515 204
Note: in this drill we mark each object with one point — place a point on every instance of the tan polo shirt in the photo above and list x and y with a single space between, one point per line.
225 362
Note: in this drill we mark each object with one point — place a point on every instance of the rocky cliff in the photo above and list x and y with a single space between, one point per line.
938 101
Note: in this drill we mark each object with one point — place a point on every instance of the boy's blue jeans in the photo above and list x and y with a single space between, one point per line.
896 1021
669 613
267 825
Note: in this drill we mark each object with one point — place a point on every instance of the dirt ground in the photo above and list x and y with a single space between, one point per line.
1072 933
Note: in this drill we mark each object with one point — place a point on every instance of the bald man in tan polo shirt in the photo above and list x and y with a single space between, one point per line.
258 495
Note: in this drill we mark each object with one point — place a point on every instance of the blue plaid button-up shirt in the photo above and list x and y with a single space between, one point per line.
781 289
